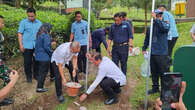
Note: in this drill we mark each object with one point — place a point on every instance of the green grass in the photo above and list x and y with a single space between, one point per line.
132 12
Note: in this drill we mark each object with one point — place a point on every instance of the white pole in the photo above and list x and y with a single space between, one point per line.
89 17
150 45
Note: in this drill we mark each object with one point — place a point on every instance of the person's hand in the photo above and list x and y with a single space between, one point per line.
83 97
144 52
64 82
88 55
131 49
53 43
22 48
153 15
108 50
74 73
158 104
13 76
178 106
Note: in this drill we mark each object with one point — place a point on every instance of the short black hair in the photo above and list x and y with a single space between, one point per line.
107 28
123 14
78 12
31 10
162 5
1 17
117 15
97 56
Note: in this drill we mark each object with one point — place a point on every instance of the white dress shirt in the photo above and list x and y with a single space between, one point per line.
62 54
107 68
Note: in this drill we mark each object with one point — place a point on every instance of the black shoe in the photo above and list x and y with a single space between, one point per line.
6 101
52 79
40 90
153 91
111 101
118 91
61 99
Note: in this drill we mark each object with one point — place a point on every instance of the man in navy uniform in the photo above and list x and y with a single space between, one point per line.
99 36
159 49
121 34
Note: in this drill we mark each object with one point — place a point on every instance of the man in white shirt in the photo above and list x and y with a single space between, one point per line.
109 77
63 54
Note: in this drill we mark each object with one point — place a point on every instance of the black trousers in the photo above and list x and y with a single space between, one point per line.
159 65
82 60
171 44
29 61
120 54
110 87
43 70
98 49
58 79
70 69
52 74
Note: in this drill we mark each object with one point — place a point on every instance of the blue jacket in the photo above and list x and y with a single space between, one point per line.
159 38
98 36
43 50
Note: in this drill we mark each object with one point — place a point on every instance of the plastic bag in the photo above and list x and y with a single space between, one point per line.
145 66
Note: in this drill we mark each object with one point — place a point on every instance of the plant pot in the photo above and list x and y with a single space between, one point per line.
72 88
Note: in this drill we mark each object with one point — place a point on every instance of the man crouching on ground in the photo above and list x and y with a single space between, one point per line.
109 76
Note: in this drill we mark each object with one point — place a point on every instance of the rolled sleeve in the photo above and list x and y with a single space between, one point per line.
21 27
72 28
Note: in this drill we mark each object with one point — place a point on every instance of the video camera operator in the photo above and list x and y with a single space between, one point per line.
8 76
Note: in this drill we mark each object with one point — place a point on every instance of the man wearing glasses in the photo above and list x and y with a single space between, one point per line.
62 55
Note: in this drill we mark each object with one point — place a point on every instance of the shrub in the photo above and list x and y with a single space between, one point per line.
61 25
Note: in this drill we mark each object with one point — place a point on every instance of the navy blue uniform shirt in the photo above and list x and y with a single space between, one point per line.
159 38
120 33
98 36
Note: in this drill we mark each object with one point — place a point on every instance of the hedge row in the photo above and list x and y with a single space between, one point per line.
61 25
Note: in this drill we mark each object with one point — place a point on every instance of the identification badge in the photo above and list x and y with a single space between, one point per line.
124 26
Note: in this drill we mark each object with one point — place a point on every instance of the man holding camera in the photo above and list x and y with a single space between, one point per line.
9 78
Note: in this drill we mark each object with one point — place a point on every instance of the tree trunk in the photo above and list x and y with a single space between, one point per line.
146 11
31 3
1 1
18 3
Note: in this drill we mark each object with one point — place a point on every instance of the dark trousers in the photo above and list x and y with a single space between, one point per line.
171 44
43 70
159 65
110 87
98 49
70 69
58 79
120 54
82 60
29 61
52 74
